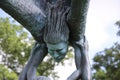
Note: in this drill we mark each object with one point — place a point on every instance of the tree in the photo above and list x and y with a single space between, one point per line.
107 64
14 43
6 74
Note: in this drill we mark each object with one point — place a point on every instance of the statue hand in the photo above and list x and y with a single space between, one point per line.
75 75
42 78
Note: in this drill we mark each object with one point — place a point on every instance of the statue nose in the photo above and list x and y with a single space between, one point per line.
55 54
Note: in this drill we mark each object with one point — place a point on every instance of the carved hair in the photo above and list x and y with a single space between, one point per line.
56 29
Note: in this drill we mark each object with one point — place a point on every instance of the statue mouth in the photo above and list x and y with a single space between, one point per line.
58 59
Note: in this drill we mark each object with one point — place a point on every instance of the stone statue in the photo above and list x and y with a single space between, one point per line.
54 24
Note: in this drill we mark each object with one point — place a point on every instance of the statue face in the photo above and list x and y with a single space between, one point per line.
58 50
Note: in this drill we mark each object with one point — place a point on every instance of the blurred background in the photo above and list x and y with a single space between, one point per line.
102 32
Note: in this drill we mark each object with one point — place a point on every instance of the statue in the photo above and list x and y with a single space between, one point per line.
54 24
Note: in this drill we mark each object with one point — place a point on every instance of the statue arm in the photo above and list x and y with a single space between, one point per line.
38 53
29 13
77 19
82 61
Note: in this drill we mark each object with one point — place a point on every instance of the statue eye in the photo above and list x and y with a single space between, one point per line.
50 51
59 50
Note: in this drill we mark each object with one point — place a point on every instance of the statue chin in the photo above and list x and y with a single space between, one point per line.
59 59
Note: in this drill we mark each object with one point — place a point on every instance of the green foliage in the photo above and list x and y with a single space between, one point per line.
107 64
7 74
100 75
13 43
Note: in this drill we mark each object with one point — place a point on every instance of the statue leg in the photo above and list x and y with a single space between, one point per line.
38 52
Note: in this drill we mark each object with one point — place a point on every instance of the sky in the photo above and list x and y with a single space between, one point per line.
100 30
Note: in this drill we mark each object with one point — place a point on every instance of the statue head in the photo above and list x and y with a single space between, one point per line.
56 32
58 50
